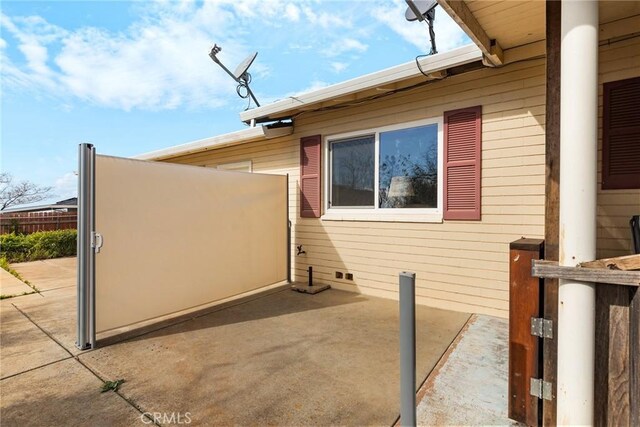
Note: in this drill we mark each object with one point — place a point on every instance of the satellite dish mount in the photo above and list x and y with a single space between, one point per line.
240 75
423 10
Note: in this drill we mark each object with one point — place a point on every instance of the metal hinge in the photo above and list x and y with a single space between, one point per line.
542 328
541 389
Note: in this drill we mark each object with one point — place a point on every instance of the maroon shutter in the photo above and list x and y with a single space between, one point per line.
621 135
310 176
462 155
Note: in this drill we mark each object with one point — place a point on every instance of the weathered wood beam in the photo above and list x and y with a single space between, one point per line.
627 262
552 197
438 75
551 270
459 11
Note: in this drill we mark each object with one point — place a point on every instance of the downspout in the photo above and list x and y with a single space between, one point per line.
578 189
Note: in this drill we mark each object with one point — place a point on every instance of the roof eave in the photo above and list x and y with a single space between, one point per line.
227 139
429 64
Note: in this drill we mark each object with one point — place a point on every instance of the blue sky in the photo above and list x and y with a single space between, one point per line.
132 77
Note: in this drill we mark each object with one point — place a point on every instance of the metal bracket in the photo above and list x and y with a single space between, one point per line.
96 241
541 389
542 328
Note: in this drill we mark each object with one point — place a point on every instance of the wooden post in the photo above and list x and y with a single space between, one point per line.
552 198
617 374
611 397
525 297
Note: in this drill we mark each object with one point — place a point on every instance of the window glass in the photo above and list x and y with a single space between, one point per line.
353 172
408 171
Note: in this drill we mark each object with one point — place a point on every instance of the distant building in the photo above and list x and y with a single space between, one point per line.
66 205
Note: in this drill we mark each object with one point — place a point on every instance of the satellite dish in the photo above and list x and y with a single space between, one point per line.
419 8
244 65
241 76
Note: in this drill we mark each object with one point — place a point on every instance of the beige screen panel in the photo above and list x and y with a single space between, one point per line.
177 237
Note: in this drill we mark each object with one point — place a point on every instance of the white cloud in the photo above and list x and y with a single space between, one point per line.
32 40
260 70
448 33
36 56
300 46
255 8
292 12
345 45
339 67
66 185
160 61
315 85
326 20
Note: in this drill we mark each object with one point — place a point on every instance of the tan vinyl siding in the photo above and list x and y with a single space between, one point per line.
460 265
618 61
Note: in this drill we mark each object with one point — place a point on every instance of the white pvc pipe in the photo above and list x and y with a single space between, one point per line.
578 188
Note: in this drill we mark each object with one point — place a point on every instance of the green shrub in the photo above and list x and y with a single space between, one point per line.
14 246
40 245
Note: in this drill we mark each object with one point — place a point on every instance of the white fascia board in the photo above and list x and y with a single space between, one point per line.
429 64
232 138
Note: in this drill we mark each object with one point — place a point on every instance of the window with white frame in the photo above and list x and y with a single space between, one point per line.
394 171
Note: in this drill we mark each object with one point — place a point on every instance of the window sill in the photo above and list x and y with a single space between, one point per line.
382 217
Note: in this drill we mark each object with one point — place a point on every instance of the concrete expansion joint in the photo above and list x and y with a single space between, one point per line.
76 358
129 401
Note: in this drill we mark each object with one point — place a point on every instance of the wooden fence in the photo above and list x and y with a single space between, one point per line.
617 338
30 222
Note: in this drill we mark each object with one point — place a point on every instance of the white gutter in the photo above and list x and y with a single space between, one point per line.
232 138
429 64
225 140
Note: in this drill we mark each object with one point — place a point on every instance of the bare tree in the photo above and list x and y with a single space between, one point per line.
18 193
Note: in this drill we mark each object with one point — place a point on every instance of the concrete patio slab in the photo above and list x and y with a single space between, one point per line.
49 274
70 263
469 386
8 302
63 394
11 285
285 359
23 346
55 313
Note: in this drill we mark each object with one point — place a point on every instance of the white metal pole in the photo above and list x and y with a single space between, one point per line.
578 169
